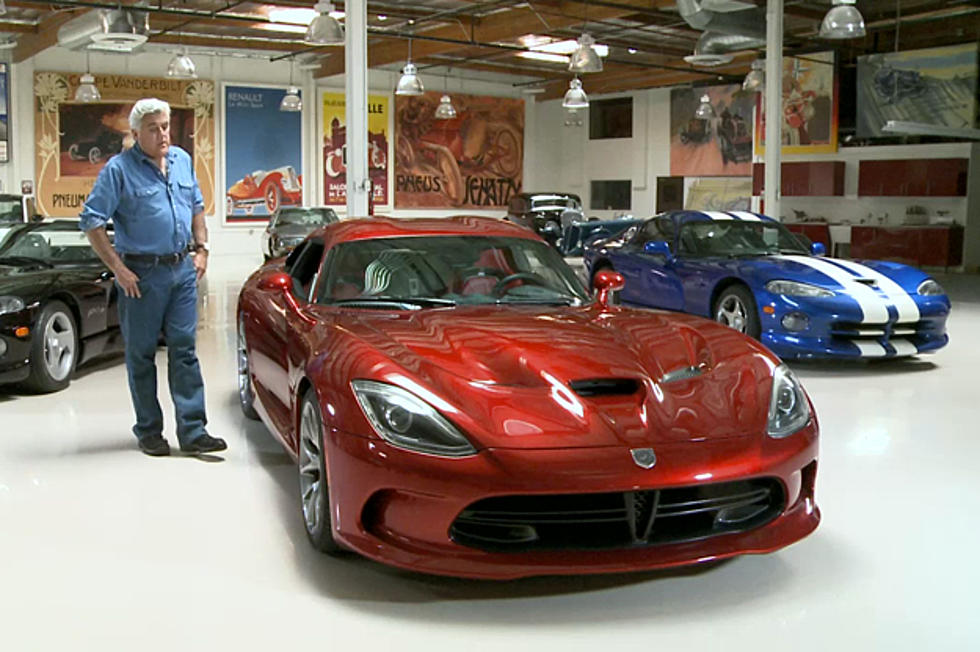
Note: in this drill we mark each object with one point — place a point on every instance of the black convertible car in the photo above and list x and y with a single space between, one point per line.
57 305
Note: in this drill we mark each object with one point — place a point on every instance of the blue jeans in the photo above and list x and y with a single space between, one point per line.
168 304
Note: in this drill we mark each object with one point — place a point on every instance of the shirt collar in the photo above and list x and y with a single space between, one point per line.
171 154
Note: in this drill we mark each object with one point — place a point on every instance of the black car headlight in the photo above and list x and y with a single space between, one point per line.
788 408
794 289
406 421
930 288
10 304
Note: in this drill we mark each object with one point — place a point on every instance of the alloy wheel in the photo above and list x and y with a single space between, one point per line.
311 481
59 346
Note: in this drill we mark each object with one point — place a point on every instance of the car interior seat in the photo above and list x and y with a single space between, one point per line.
487 270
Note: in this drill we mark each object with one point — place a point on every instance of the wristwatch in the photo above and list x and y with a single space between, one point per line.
202 246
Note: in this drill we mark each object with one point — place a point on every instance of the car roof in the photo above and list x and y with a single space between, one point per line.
685 217
543 195
385 227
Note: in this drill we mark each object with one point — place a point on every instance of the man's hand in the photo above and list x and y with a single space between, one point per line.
128 281
200 263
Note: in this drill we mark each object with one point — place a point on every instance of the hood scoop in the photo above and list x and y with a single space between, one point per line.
683 373
605 386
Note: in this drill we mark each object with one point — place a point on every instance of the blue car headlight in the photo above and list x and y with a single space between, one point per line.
930 288
788 408
10 304
794 289
406 421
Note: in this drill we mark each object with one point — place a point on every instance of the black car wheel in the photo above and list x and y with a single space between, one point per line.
246 399
314 492
736 308
94 155
54 349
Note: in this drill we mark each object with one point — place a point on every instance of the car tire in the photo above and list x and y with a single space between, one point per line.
73 152
94 155
313 485
246 397
54 349
229 206
735 307
273 197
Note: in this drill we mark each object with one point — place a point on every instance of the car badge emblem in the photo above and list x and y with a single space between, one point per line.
645 458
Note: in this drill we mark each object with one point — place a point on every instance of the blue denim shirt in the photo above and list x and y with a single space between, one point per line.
150 212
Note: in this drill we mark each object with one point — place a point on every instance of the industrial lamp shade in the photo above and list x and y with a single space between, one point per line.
86 91
756 79
325 29
291 100
409 83
585 58
843 21
182 67
445 110
705 111
575 97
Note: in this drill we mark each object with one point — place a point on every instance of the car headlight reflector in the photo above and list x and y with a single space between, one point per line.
406 421
794 289
795 321
930 288
10 304
788 408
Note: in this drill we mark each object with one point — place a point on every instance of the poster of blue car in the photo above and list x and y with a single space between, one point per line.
263 153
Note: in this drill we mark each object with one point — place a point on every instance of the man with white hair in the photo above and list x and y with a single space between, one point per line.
150 194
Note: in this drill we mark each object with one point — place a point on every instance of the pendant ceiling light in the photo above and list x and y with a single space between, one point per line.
87 91
182 66
291 100
842 21
445 110
575 97
325 29
705 111
756 79
585 58
409 83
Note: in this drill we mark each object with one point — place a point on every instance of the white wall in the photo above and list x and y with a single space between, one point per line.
226 239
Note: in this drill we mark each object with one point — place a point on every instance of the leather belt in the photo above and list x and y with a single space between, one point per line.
154 259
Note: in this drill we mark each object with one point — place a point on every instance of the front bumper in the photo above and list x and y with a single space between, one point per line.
398 507
836 329
14 362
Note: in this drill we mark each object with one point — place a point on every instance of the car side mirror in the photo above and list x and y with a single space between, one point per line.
658 248
283 283
818 249
606 282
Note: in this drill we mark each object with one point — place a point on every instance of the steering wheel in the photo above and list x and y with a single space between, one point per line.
500 288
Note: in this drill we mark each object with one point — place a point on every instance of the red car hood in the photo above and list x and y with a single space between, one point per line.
510 376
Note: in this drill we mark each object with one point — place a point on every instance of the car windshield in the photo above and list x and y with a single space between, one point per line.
11 211
431 271
555 201
307 216
49 245
737 238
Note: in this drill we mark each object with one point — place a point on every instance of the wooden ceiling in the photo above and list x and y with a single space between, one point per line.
647 39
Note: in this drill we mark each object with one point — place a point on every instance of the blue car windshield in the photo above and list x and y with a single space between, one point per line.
738 238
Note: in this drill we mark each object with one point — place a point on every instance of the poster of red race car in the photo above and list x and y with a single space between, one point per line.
266 190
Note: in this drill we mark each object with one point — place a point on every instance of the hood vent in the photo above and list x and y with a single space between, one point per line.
605 386
115 30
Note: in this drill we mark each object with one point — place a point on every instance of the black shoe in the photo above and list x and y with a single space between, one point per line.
204 444
154 445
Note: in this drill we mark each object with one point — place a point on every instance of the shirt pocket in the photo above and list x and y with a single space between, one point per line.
185 193
140 202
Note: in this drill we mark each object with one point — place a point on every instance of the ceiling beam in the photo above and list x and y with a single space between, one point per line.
44 36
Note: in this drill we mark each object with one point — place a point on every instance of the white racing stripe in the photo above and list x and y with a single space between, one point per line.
745 215
873 306
907 310
903 346
870 349
719 216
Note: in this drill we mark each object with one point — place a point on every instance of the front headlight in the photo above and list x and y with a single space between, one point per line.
11 304
794 289
788 408
929 288
406 421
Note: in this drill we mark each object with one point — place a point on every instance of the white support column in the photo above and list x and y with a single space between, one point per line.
355 58
774 105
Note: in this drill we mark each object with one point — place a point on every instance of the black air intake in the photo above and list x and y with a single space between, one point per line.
605 386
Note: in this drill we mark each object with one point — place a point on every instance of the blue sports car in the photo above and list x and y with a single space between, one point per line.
749 272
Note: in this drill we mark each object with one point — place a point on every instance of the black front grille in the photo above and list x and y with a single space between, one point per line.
617 520
605 386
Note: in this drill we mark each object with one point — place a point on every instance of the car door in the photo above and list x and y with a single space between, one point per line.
659 281
696 272
270 358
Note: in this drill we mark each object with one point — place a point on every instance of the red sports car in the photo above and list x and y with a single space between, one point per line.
459 404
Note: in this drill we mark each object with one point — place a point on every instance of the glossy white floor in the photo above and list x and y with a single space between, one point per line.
103 548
